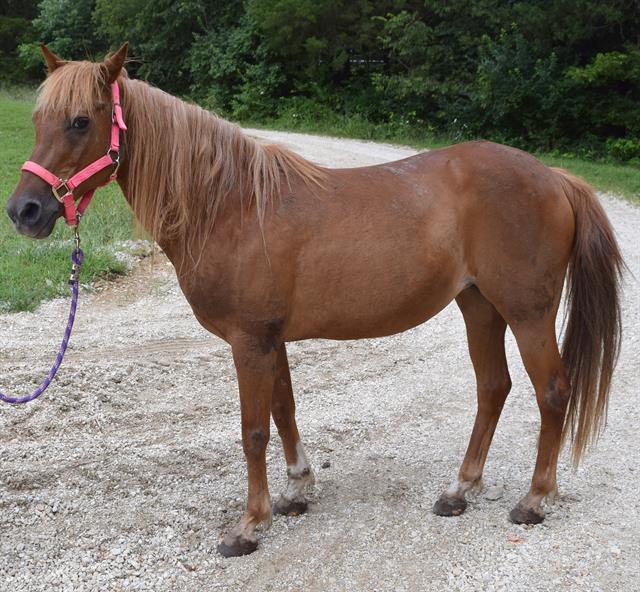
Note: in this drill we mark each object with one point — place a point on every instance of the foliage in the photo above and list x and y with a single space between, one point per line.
160 34
15 28
232 67
560 74
67 29
433 55
519 92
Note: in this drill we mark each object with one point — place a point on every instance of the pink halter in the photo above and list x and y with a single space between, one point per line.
63 188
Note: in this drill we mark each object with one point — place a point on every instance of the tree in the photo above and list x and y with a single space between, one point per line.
15 28
160 35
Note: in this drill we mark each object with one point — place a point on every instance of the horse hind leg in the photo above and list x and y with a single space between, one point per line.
539 350
293 500
485 334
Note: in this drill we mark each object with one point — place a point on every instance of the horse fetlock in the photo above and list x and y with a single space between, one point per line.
552 495
299 481
259 517
293 500
303 474
464 485
300 477
474 486
298 485
266 522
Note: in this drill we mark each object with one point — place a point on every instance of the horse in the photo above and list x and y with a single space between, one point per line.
270 248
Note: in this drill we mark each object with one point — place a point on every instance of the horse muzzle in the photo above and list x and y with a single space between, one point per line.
32 217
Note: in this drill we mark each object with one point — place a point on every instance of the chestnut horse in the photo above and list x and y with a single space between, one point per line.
270 248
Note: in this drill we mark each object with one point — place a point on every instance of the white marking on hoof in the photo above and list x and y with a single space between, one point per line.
461 488
266 523
300 476
552 496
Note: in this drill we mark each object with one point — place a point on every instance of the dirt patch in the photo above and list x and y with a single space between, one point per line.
124 475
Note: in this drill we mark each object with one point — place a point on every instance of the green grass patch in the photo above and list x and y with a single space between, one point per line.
17 93
32 271
605 176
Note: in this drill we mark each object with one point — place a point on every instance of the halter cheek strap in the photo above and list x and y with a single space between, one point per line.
63 188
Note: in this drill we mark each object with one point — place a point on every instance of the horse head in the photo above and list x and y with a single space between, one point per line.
73 121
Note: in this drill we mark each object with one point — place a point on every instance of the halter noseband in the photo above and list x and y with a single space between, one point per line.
62 189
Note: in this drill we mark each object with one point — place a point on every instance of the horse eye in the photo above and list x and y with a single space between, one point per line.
80 123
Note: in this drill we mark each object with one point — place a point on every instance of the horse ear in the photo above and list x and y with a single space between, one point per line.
52 60
115 62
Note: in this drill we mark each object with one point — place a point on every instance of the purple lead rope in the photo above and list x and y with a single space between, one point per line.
77 257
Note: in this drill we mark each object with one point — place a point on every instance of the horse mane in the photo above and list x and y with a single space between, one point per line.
183 162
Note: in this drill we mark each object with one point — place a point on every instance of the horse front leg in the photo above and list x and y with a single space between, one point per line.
293 500
255 360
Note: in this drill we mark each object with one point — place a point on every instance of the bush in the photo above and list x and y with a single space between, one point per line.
624 149
15 28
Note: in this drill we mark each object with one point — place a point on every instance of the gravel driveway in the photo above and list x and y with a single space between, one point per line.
126 473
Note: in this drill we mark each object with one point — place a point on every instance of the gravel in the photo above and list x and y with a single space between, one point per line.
125 474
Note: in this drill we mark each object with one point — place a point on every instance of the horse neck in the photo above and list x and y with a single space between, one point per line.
180 188
186 170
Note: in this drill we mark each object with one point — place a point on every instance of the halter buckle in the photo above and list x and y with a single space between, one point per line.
56 191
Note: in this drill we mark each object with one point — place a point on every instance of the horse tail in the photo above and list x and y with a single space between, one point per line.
593 330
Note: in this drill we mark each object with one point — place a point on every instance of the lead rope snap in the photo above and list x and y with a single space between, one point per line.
77 257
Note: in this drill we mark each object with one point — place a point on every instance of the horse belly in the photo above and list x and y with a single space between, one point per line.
372 288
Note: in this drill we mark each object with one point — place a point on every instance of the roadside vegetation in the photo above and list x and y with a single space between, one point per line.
561 76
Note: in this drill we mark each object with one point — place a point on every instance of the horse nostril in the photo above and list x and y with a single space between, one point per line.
29 213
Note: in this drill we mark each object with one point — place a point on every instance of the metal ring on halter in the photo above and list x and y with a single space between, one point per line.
116 161
57 193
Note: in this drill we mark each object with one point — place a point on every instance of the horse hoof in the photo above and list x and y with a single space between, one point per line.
237 548
449 506
287 507
523 515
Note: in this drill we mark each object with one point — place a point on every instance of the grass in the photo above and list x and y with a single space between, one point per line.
32 271
610 177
